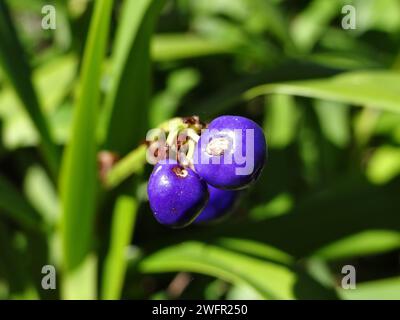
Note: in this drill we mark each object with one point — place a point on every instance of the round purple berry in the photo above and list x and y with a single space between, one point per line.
231 152
176 194
218 206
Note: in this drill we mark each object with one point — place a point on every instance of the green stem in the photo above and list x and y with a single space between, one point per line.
132 163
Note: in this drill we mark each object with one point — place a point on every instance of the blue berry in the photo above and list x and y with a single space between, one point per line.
218 206
176 194
231 153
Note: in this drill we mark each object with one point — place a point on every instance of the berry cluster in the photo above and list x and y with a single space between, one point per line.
220 159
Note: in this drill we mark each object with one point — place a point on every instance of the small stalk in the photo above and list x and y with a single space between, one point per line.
132 163
190 153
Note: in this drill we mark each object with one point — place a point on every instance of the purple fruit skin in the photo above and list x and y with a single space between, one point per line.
222 175
176 201
218 206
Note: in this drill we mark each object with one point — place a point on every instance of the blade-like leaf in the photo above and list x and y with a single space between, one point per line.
269 279
42 194
309 25
231 93
384 164
15 263
280 109
361 244
165 104
121 231
320 219
385 289
126 108
166 47
256 249
132 163
52 81
15 207
334 121
268 271
79 176
12 59
375 89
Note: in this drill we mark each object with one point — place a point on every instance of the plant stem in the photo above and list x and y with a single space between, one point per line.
132 163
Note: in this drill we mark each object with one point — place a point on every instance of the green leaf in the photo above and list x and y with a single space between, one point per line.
323 217
309 25
280 109
15 207
384 164
13 61
384 289
53 81
42 194
232 92
16 260
133 162
167 47
268 15
279 205
344 60
81 282
319 269
381 15
79 171
123 223
360 244
125 119
365 124
374 89
242 292
256 249
269 279
166 103
334 121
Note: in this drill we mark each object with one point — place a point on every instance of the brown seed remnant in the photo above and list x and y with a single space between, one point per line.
194 122
191 120
180 172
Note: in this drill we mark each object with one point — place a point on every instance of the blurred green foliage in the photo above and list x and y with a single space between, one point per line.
327 98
